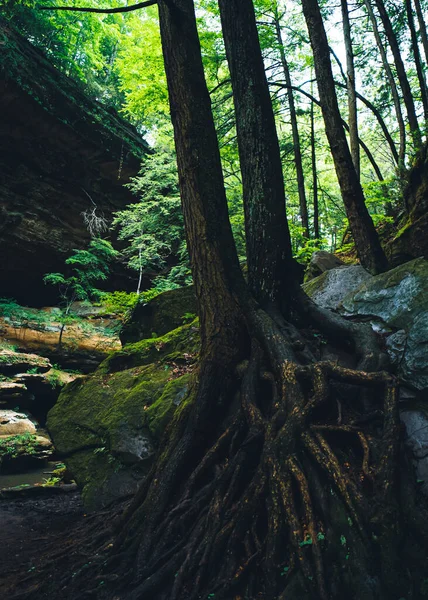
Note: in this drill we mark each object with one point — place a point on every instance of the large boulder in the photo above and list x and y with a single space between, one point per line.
333 286
107 425
397 303
162 314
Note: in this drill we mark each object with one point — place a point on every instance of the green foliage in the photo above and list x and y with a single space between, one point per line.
118 303
15 445
88 267
154 226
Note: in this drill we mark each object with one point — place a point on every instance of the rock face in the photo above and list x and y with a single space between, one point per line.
108 424
333 286
398 301
160 315
66 154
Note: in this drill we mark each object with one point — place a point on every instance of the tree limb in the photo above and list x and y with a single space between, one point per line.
107 11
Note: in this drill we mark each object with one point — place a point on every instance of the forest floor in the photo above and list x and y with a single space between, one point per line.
28 527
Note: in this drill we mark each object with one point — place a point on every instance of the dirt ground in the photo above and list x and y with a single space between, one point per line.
27 528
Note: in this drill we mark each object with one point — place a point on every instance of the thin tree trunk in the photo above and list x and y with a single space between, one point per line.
366 239
314 176
417 58
422 28
295 131
401 74
350 85
392 85
269 255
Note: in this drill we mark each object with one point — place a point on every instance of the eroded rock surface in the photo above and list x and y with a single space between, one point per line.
333 286
66 154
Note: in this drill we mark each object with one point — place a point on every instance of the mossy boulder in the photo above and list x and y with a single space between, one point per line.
108 425
329 289
160 315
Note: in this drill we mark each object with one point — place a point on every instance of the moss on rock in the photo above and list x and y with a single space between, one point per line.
107 426
162 314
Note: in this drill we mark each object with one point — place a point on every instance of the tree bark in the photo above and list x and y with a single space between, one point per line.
366 239
294 128
417 58
401 74
350 86
314 176
211 247
422 28
269 256
392 85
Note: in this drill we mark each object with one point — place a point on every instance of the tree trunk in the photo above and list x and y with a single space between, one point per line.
422 28
401 73
392 85
350 84
417 58
314 176
210 242
295 130
366 239
269 256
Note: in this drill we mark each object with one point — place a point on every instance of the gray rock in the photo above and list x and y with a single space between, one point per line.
321 261
396 297
333 286
416 424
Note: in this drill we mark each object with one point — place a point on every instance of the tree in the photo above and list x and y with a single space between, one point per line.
153 228
251 458
87 267
366 239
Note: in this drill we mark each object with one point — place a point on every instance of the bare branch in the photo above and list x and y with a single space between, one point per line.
107 11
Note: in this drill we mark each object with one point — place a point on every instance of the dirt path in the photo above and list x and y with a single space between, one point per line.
27 528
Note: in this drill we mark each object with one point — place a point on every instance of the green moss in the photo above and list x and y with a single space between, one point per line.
162 410
17 445
168 348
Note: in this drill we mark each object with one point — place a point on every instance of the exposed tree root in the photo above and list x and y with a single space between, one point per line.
262 494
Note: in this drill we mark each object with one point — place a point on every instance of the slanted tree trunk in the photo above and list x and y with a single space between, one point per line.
392 85
350 85
294 128
422 28
366 239
401 74
417 59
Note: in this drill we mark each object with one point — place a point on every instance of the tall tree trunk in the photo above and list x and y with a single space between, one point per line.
269 255
314 176
392 85
366 239
210 241
350 85
401 74
294 128
417 58
422 28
